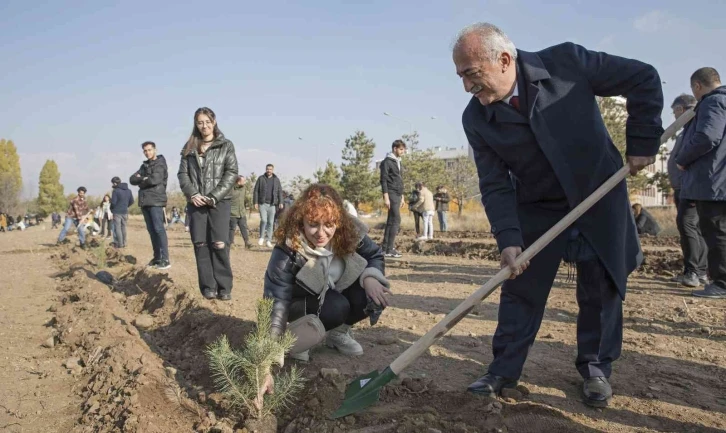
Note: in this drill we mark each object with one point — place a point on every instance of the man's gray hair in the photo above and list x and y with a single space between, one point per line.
684 100
493 40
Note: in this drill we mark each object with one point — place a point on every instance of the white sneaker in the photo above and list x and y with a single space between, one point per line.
261 241
269 244
341 338
422 238
300 356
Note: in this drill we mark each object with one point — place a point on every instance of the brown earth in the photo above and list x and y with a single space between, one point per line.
128 356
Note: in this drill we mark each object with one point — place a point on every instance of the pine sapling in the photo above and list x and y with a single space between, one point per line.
240 374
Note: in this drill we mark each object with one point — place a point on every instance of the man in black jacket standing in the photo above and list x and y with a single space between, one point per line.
267 198
121 199
392 187
703 160
151 179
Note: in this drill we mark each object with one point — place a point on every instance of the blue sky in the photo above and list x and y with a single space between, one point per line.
85 82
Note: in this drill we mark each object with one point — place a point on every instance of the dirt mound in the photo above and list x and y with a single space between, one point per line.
660 241
662 263
137 345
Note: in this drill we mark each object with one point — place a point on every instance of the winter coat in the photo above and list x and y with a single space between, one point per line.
674 173
151 179
240 201
413 200
704 153
121 199
425 201
258 195
646 224
537 163
391 176
218 176
287 270
442 200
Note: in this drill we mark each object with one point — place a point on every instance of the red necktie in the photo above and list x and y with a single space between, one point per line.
514 102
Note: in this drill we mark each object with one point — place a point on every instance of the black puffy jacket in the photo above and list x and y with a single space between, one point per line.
218 176
152 189
280 277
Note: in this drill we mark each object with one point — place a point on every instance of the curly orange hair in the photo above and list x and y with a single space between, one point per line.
319 203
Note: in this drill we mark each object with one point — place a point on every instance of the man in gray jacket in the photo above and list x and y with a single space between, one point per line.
692 243
703 158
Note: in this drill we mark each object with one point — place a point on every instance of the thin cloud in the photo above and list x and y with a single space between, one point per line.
653 21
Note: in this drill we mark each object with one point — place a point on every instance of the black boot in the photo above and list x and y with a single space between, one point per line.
490 385
597 391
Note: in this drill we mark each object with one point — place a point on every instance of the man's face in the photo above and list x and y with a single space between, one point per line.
698 90
269 170
241 181
678 111
399 151
488 81
81 194
149 151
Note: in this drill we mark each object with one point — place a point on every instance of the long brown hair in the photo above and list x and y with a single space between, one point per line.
195 139
319 203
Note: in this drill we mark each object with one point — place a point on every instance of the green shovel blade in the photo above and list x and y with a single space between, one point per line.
363 391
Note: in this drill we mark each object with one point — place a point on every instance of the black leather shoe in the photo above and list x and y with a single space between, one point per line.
597 391
209 293
490 385
224 296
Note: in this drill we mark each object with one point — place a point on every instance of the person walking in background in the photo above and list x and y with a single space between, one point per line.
442 200
207 173
413 199
55 220
267 198
106 217
425 206
175 217
392 189
238 214
703 158
151 178
77 210
121 200
4 222
693 246
644 221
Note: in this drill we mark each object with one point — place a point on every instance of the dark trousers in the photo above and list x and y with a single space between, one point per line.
156 226
712 219
106 225
209 230
240 222
393 222
522 306
693 245
417 218
346 307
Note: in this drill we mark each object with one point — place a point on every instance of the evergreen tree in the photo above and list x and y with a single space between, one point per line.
421 165
50 191
11 181
359 182
329 176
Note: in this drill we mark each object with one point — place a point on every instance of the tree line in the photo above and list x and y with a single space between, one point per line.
356 178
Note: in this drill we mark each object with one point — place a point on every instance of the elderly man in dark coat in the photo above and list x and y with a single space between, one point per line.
540 148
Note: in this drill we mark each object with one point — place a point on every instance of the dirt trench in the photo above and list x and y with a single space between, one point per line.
137 344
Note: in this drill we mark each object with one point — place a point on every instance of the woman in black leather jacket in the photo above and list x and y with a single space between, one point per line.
207 173
325 264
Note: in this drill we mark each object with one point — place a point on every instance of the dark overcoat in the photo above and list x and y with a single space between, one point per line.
558 150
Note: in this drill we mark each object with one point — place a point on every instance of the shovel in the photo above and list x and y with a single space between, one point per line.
365 390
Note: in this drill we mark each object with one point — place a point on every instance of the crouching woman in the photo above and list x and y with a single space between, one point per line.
325 274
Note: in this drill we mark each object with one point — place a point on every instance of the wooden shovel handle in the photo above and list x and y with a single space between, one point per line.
451 319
